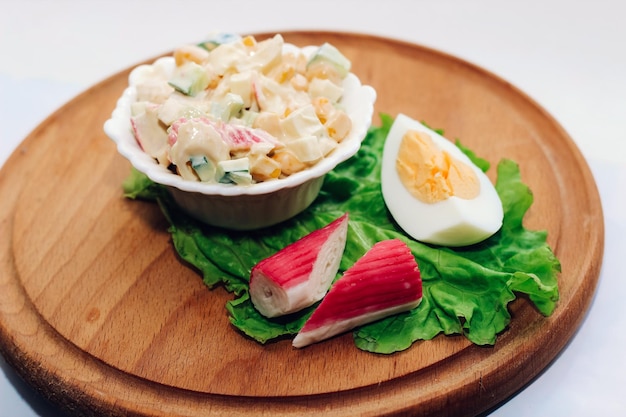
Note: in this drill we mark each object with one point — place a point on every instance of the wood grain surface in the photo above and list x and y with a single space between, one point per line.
99 314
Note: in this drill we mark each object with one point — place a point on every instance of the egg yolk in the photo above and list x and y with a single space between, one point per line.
430 174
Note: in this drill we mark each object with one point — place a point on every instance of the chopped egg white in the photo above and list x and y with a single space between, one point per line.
433 190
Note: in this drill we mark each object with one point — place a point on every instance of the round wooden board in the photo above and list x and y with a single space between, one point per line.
99 314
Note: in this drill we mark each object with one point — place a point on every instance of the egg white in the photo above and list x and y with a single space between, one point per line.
451 222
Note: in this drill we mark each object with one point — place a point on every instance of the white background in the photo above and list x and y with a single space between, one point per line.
570 56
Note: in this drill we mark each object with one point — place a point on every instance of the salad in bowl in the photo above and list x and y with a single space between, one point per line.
242 131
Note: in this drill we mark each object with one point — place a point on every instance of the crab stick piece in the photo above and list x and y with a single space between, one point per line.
385 281
235 136
299 275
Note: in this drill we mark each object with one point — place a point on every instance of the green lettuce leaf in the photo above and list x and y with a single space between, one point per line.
466 290
481 163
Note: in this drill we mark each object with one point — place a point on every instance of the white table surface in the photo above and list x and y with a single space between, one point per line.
570 56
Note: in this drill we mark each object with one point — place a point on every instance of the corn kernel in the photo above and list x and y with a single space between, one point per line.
190 53
249 41
264 168
338 125
323 108
289 163
214 82
299 82
324 71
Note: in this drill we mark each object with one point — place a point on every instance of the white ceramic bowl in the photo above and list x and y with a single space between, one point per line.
244 207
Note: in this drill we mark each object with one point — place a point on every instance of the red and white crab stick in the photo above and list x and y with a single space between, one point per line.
385 281
299 275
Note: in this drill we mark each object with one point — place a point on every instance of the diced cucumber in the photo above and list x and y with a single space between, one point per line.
190 78
228 107
240 178
330 54
248 117
203 167
234 165
218 39
235 171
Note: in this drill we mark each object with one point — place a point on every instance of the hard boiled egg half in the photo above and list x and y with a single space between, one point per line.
433 190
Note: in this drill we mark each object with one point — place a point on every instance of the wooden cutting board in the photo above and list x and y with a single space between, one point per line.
99 314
